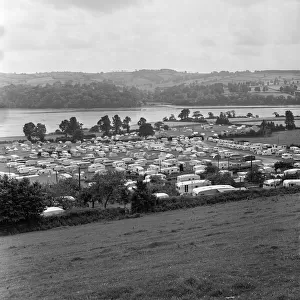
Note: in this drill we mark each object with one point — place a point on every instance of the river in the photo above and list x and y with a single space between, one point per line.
12 120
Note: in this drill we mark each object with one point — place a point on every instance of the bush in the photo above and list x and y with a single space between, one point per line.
71 217
20 200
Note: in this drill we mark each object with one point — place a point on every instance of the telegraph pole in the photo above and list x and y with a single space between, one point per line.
79 178
251 169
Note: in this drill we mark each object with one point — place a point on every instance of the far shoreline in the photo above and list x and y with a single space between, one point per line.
179 106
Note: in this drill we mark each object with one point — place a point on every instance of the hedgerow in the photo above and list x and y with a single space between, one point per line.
72 217
80 216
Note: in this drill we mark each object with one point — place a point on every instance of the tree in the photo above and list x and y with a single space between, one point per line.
233 114
142 200
158 125
165 119
95 128
126 123
29 130
228 113
73 125
222 119
210 115
255 175
78 135
117 123
172 118
106 187
40 131
265 128
249 115
104 124
146 130
276 114
142 121
184 114
289 120
211 169
166 127
64 126
197 114
265 88
125 196
20 200
257 89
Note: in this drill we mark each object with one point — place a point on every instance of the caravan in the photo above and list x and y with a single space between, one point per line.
213 189
291 182
187 187
187 177
272 183
170 170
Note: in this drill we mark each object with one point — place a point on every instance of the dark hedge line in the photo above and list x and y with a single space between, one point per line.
180 202
72 217
83 216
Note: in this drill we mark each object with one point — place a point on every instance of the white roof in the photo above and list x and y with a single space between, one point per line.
200 181
212 187
52 211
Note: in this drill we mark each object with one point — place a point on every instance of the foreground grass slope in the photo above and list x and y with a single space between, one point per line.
245 250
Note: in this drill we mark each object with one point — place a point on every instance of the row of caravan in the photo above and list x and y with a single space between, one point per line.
274 183
193 185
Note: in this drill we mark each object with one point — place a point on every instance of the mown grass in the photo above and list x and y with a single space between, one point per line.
209 252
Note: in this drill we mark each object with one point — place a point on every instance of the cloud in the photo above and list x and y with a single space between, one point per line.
2 31
246 51
105 6
250 37
208 43
246 3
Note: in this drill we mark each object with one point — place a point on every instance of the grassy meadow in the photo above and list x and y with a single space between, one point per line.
241 250
280 137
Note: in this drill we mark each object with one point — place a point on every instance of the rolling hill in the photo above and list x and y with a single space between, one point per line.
150 79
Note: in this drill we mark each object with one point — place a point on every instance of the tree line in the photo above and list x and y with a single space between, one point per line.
74 129
96 94
106 94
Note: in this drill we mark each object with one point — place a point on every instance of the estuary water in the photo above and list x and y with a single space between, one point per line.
12 120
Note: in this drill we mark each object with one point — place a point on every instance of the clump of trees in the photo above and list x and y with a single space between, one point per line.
59 95
255 175
146 130
289 120
20 200
34 132
223 119
73 128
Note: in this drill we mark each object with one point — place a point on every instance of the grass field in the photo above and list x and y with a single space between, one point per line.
244 250
280 137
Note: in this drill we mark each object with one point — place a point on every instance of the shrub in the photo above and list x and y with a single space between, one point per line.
20 200
73 217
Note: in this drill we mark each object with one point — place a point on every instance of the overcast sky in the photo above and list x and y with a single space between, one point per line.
185 35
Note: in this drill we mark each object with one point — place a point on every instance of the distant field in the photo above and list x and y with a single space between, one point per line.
244 250
271 93
281 137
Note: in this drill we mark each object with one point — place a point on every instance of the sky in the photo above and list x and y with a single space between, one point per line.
113 35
